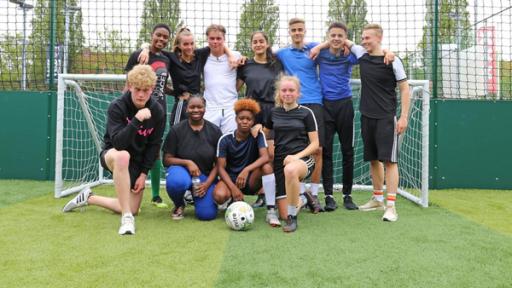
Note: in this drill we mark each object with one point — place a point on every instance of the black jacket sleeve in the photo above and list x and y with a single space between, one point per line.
122 134
155 138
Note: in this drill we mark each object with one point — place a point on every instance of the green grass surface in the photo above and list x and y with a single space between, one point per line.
441 246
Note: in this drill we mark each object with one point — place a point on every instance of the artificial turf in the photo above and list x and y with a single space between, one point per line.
434 247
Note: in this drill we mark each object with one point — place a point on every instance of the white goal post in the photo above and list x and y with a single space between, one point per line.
83 99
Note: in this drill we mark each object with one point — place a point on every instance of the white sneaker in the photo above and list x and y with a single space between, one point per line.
127 225
372 205
80 200
390 215
272 219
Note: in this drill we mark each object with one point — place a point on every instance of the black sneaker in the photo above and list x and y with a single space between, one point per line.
313 203
348 203
260 202
330 204
291 224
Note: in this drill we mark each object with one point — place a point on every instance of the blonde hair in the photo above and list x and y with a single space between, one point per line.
295 21
285 78
216 27
373 26
184 31
142 76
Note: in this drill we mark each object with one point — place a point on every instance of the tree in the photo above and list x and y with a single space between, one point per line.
454 25
10 61
159 11
350 12
39 40
257 15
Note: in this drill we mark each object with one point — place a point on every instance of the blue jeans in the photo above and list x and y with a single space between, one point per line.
178 180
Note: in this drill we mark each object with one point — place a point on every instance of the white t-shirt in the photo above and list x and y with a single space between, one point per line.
220 82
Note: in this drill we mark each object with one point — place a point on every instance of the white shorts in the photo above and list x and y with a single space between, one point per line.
223 118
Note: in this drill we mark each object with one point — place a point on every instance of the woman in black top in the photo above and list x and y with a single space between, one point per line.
189 151
259 75
295 139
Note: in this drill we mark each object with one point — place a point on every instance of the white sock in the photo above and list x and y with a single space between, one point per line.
314 189
269 188
302 187
391 199
128 214
292 210
378 195
303 199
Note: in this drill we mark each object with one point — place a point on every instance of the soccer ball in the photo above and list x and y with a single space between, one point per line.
239 216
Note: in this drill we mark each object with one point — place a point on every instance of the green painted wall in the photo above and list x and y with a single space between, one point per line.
469 140
470 144
27 146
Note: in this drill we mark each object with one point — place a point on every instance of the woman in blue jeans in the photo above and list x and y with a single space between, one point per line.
189 151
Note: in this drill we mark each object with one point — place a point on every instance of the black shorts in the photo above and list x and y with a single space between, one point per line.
279 173
179 112
247 190
380 139
133 168
318 110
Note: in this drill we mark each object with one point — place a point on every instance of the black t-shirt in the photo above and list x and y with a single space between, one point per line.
378 83
291 129
161 65
199 146
124 132
239 154
186 77
260 79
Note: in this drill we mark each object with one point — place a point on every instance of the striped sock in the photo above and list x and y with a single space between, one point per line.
391 199
378 195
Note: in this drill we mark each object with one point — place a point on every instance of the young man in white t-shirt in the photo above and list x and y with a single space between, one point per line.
220 82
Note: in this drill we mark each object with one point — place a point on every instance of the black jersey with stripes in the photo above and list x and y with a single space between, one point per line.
239 154
378 84
291 129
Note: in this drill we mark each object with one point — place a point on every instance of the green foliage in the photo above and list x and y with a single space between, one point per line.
506 79
451 12
39 40
257 15
10 61
350 12
159 11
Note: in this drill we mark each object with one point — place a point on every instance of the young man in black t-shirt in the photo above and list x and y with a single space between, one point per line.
161 65
379 127
132 139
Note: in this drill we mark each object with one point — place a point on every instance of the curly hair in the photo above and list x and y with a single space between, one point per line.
247 105
142 76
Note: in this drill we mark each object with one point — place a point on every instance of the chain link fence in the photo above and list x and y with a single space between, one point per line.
471 42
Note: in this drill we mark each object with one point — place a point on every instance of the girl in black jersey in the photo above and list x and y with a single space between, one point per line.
243 161
295 139
189 151
259 75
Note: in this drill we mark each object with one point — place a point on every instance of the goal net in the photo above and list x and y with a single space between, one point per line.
81 119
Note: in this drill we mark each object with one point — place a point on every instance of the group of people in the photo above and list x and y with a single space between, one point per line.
269 143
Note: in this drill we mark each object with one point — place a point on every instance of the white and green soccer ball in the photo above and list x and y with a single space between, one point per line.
239 216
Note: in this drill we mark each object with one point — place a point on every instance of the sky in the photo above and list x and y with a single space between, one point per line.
402 20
